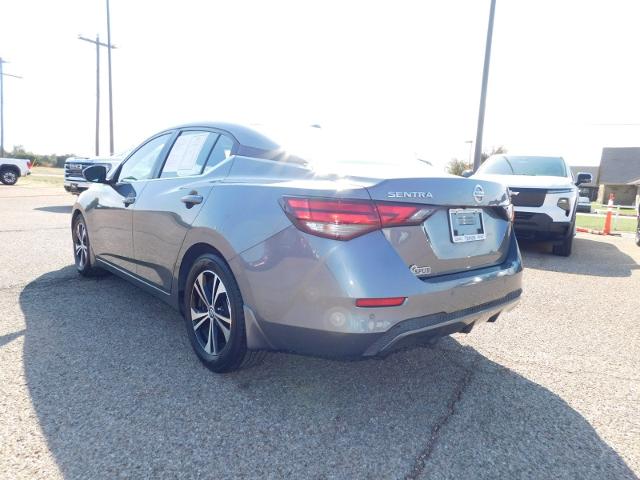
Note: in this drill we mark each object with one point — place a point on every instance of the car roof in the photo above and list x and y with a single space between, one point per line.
511 155
245 135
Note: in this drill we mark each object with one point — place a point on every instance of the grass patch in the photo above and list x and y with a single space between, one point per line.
32 181
623 211
623 224
43 177
38 170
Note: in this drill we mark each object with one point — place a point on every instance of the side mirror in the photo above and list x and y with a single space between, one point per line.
95 174
467 173
583 178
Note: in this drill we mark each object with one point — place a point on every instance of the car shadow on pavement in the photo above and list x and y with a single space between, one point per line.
589 257
55 209
119 393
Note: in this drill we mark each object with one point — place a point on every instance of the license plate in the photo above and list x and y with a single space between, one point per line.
467 225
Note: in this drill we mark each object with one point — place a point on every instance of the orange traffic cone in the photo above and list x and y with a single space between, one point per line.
607 220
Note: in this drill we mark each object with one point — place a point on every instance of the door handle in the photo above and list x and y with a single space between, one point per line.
128 200
192 199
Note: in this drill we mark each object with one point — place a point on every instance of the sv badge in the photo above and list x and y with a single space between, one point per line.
416 270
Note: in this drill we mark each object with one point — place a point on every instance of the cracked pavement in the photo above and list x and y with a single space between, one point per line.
97 380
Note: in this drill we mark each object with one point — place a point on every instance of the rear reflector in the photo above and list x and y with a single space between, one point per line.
343 219
380 302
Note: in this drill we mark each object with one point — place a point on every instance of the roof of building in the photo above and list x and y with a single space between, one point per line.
619 165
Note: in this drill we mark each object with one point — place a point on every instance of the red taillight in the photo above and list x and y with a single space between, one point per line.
393 214
339 219
343 219
380 302
29 164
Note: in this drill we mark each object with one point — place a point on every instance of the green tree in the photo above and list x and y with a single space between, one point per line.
456 166
43 160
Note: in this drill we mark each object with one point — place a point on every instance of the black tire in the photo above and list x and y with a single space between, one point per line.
214 316
82 255
638 234
564 249
9 175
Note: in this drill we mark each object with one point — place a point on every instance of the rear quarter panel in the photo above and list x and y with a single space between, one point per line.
244 209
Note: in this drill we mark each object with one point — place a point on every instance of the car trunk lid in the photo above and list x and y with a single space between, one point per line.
468 228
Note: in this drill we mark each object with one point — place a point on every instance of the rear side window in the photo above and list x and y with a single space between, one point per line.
220 152
188 154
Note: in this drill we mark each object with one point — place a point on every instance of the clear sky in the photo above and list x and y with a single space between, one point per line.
564 76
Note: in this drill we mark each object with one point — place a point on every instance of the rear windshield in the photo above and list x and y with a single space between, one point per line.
322 148
513 165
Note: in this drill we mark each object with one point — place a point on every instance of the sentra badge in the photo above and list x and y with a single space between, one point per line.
409 195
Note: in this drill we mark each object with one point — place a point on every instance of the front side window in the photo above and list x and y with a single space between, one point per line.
142 164
188 154
220 152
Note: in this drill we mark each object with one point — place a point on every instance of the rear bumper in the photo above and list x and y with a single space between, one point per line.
540 226
407 333
306 303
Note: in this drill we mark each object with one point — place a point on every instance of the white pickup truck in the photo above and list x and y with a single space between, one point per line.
13 168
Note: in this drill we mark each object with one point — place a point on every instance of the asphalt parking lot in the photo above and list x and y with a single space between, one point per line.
97 380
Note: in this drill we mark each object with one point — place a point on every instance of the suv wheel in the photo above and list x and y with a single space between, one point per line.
638 234
82 249
9 176
214 315
564 249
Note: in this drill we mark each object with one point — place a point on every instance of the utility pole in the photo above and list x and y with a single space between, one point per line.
109 47
483 91
470 161
2 75
98 44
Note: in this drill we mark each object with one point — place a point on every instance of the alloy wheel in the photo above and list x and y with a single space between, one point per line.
9 177
80 244
210 312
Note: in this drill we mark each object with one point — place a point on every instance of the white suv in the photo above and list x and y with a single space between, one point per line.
544 195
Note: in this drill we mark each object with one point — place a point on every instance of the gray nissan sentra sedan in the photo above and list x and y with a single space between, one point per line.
300 242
